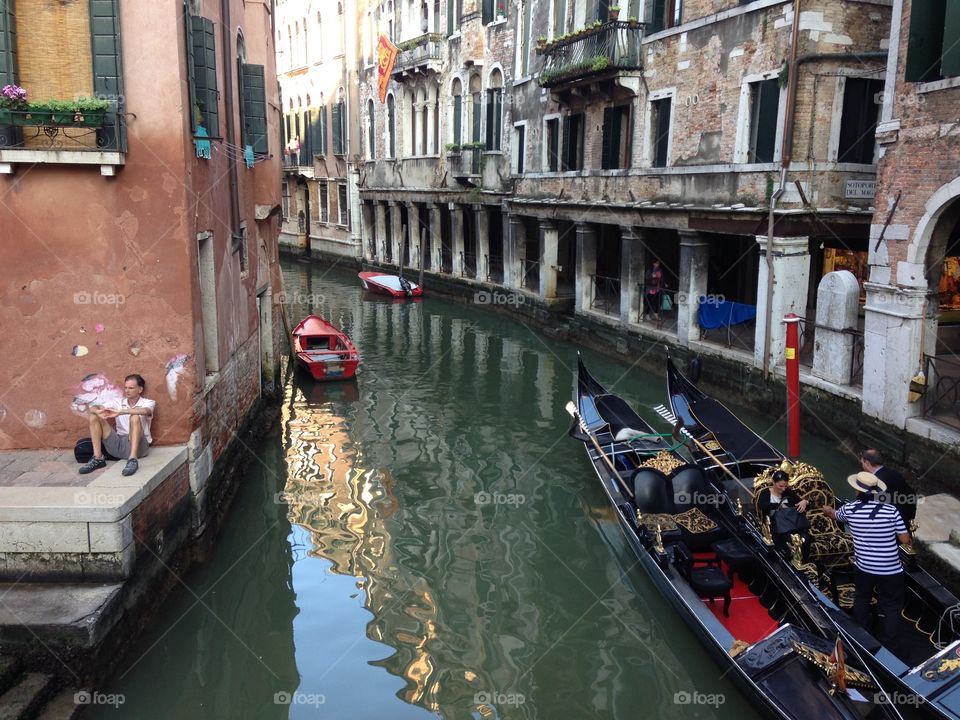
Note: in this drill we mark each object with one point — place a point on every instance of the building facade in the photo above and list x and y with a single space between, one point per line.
142 241
317 64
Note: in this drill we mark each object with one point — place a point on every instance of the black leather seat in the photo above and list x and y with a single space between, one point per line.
691 489
708 582
651 491
736 556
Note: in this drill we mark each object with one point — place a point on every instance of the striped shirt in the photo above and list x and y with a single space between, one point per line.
874 526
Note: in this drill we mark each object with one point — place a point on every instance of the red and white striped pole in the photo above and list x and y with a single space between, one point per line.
793 385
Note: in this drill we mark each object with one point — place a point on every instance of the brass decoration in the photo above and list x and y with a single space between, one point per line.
822 661
914 526
712 445
658 542
694 521
664 520
765 529
738 647
739 506
796 550
662 461
944 666
639 519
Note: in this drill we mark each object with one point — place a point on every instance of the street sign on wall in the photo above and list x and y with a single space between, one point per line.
860 189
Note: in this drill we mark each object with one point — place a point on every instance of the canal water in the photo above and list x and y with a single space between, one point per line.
427 542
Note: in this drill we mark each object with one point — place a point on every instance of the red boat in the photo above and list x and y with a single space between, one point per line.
324 350
389 284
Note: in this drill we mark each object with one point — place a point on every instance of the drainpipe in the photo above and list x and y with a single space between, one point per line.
228 65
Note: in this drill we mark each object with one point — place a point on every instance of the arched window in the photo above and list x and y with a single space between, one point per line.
410 126
306 45
295 59
495 110
319 50
371 131
476 100
289 47
391 127
457 110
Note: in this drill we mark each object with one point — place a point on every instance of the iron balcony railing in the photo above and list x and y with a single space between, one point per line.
940 389
64 130
605 294
419 51
494 268
598 50
531 275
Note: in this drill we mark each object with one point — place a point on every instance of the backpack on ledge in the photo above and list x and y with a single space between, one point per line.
83 451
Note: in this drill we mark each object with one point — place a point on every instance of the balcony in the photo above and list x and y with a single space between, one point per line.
594 55
464 162
420 55
29 136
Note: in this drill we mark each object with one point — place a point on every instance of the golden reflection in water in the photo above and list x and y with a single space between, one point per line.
342 504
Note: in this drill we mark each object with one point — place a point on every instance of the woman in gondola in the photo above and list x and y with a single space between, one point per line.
785 509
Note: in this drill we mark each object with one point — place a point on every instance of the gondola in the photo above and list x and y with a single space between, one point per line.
713 569
392 285
924 668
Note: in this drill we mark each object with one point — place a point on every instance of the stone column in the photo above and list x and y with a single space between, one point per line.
430 112
482 223
420 117
549 239
586 266
380 213
791 272
456 230
396 231
837 298
413 234
632 259
514 240
436 239
694 263
892 349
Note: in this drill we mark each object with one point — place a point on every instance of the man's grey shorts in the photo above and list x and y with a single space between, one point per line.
119 446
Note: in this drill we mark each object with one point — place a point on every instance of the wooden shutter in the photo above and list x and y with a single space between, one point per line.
487 11
565 157
607 151
205 72
338 129
316 142
951 41
308 132
254 108
107 68
925 46
8 62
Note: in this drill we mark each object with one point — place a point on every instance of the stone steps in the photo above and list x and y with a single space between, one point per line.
27 697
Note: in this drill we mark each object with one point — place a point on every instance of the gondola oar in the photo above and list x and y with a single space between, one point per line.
679 429
572 409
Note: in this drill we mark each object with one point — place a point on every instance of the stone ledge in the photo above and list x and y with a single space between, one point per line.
108 498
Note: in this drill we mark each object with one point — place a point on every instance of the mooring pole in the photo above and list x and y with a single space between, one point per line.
793 385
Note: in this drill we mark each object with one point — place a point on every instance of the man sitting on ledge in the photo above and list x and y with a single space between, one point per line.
132 437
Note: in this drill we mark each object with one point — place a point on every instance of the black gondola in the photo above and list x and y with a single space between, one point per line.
924 668
775 643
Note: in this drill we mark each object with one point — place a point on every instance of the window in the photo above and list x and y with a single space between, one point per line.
573 142
933 49
493 9
251 90
519 147
339 127
391 127
342 203
371 131
457 112
204 76
664 14
660 132
476 98
454 13
559 18
615 153
319 142
553 144
859 120
306 147
495 111
323 201
764 109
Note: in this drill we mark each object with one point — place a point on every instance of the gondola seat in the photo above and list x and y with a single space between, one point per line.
708 582
736 557
651 491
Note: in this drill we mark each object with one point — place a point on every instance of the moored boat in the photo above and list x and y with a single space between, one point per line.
324 350
695 545
924 667
393 285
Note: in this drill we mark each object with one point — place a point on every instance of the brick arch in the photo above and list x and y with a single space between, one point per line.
941 212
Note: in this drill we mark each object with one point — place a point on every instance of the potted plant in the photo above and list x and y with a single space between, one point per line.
12 98
90 111
613 12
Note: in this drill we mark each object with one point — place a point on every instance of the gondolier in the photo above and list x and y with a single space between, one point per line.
876 527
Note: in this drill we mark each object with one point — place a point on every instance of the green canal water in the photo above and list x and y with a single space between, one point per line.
428 543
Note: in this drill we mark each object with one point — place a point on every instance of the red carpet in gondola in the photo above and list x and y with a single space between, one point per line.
749 620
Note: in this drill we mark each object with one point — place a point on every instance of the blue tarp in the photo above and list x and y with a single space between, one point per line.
713 314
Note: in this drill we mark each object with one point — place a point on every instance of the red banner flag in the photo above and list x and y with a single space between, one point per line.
386 56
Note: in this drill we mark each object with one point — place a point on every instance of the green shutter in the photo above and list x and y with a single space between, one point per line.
497 118
338 129
951 41
205 72
316 135
322 149
487 11
606 150
925 46
567 145
8 44
457 118
308 133
107 68
254 108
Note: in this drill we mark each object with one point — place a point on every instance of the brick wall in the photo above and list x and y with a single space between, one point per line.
164 508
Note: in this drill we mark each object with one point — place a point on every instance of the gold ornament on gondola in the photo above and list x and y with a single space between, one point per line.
765 529
822 661
739 506
662 461
796 550
658 542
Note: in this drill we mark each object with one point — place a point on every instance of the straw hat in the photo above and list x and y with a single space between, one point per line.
866 482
